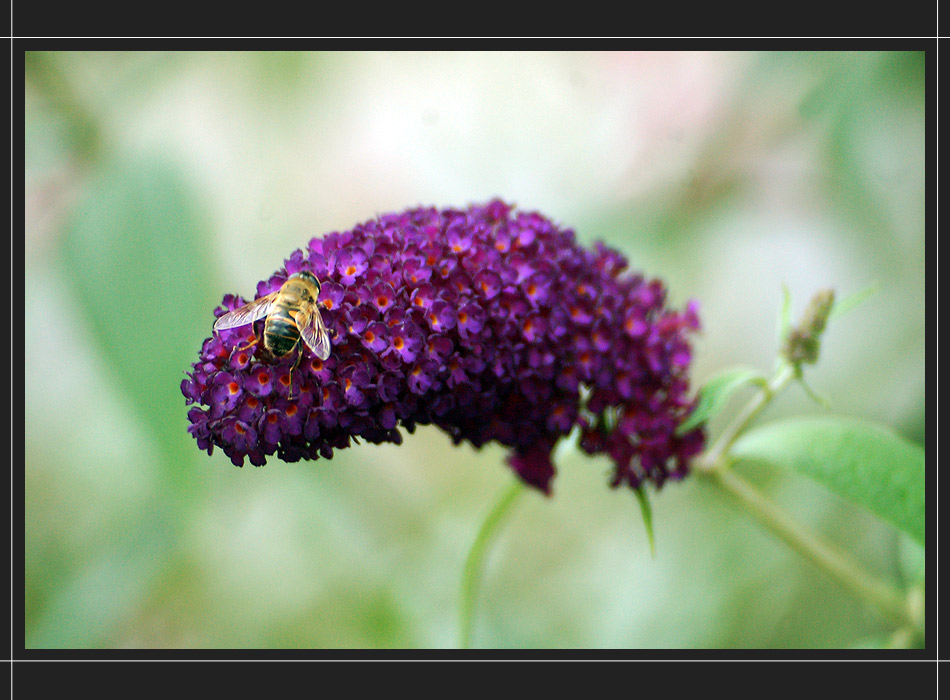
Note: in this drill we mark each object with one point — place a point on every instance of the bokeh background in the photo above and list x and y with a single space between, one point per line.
156 182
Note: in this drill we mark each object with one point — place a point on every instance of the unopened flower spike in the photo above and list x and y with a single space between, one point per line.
491 323
803 342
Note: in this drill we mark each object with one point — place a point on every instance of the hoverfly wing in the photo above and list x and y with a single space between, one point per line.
246 314
313 332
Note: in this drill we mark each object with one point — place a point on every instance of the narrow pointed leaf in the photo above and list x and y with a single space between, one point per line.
647 512
845 305
784 315
716 393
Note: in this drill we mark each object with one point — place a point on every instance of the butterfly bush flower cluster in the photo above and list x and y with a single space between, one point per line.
488 322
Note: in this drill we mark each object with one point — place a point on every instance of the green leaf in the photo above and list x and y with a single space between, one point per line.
137 257
864 462
810 393
714 395
845 305
647 512
784 315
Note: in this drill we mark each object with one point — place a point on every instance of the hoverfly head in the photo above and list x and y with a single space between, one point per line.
304 274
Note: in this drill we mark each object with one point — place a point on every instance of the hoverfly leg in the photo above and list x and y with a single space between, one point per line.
290 394
249 345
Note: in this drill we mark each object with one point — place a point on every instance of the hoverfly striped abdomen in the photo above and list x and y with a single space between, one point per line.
281 332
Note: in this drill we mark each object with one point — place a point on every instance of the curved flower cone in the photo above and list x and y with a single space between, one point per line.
488 322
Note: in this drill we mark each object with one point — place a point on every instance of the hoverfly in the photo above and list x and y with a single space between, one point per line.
292 313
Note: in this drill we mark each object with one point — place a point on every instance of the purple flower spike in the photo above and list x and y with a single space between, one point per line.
490 323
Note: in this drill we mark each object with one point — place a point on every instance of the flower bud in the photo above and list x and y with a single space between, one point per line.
804 341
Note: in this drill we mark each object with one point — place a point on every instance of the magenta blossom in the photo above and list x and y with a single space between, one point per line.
491 323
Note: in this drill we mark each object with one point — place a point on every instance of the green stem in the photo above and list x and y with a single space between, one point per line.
714 457
471 574
714 464
841 567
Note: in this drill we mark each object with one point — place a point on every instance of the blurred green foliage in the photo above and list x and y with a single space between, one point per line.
157 182
140 264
